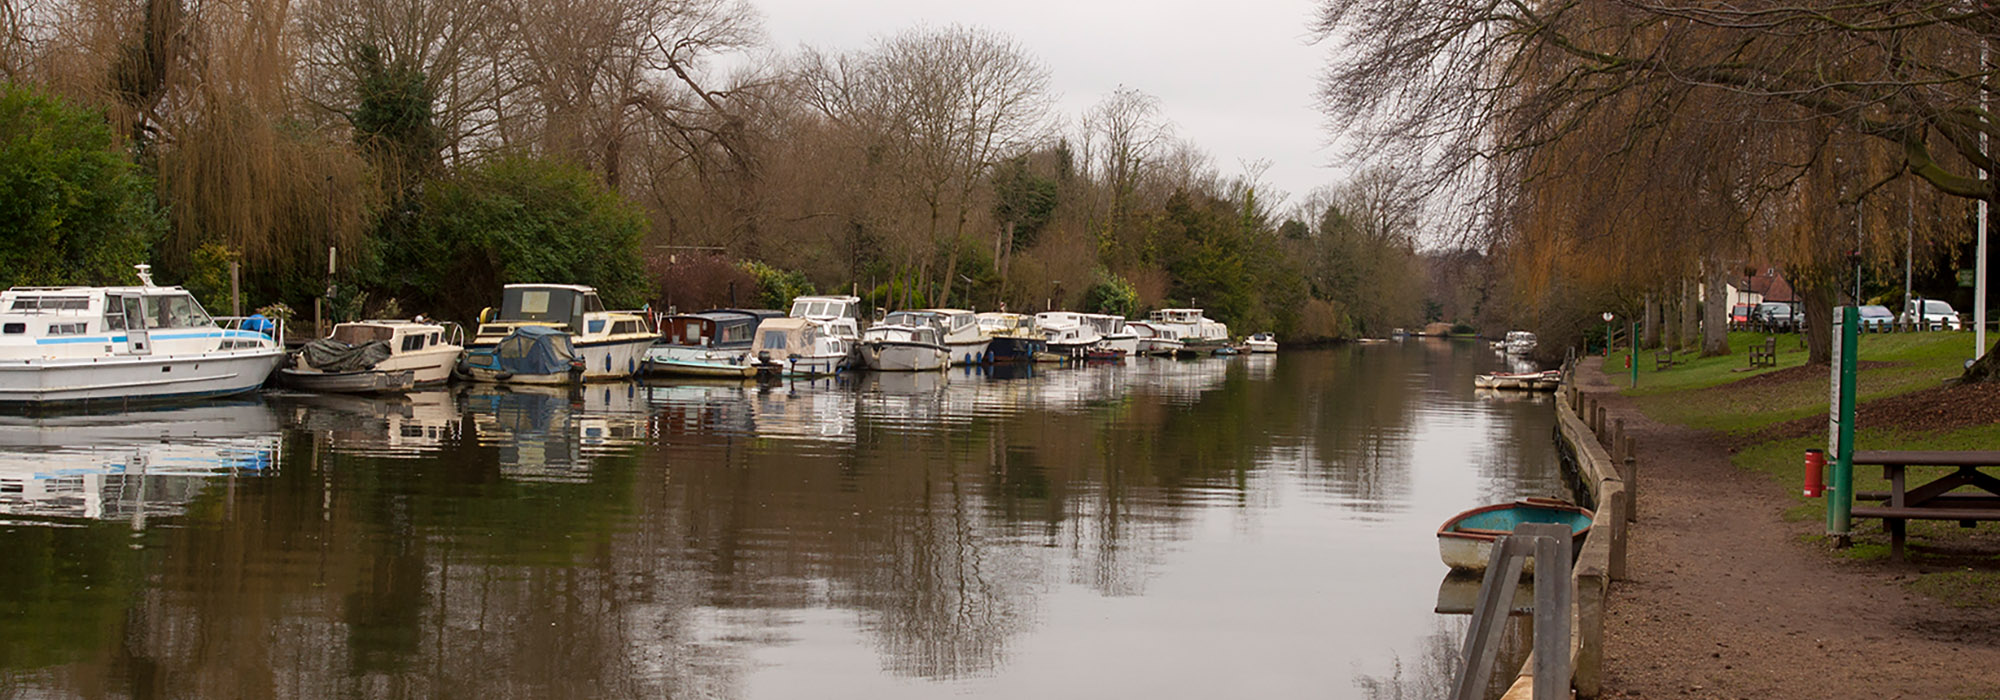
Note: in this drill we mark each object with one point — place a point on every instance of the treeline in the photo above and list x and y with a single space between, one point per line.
655 149
1638 158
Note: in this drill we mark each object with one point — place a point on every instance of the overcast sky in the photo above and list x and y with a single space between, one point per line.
1235 78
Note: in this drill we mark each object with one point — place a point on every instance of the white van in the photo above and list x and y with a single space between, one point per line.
1938 315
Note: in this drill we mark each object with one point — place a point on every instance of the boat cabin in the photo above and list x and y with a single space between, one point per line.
572 307
123 319
721 329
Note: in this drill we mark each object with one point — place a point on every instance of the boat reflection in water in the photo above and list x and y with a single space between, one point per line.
130 465
399 426
551 433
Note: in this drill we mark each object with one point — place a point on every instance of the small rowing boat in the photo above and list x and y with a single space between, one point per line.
1465 542
1521 381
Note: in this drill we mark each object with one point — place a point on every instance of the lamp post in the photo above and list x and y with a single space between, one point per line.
1607 333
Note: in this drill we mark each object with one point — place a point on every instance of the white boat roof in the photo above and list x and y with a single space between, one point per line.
839 298
544 285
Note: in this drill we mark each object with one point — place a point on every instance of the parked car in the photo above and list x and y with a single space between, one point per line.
1875 317
1937 315
1777 316
1739 315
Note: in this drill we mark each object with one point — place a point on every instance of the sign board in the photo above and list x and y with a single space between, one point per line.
1967 278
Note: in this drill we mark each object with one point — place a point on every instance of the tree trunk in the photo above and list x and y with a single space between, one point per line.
1987 369
1689 306
1652 323
1714 312
1818 299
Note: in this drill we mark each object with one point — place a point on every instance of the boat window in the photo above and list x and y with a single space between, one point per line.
16 328
46 303
413 342
114 318
534 302
774 340
592 303
176 311
68 328
135 314
739 333
625 327
433 338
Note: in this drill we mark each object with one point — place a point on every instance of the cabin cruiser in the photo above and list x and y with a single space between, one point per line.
798 347
379 356
1114 338
1262 343
713 343
1067 333
904 342
146 342
601 344
1196 331
960 333
1158 340
1015 338
842 317
1520 343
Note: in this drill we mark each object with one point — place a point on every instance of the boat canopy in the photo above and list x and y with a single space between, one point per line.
563 304
716 328
785 336
535 350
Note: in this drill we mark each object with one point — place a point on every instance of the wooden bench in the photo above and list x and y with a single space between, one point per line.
1663 359
1934 500
1766 356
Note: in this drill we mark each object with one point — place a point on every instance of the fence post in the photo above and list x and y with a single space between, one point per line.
1589 673
1628 472
1612 496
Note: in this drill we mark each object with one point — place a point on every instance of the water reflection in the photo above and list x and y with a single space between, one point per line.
1149 527
129 465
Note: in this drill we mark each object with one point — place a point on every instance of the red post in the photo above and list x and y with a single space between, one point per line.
1815 473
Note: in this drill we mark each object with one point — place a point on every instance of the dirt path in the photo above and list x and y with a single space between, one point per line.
1728 601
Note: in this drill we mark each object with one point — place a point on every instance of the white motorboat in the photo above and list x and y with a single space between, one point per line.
1520 343
1159 340
842 317
1196 331
1015 338
115 344
1113 335
379 356
798 347
958 332
904 348
1262 342
602 344
713 343
1067 333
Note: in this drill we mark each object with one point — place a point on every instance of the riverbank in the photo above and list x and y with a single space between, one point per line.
1734 592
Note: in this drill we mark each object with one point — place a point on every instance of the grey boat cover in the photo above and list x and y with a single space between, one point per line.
329 355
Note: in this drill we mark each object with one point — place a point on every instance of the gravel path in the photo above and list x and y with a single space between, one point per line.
1728 600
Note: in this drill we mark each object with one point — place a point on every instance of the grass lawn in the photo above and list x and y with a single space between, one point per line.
1917 361
1713 394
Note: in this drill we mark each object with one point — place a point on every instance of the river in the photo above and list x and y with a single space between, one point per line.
1256 526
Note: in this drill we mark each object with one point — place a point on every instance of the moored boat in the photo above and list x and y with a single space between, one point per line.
373 357
1196 331
1262 342
797 347
605 344
842 320
1520 381
713 343
1014 336
903 348
1066 333
958 332
1465 542
1156 339
139 343
1520 343
528 355
1113 334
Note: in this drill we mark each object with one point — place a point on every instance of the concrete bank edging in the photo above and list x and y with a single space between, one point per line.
1602 558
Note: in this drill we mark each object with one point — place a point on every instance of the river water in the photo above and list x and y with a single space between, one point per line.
1227 527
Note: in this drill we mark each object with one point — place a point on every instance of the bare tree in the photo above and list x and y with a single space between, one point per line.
1123 138
947 104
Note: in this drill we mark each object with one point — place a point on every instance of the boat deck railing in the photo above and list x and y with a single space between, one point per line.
274 328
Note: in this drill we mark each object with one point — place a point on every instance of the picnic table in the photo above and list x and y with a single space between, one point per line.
1937 499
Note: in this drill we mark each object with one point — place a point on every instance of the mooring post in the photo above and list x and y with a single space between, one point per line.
1590 593
1617 438
1611 497
1628 472
1603 421
1552 608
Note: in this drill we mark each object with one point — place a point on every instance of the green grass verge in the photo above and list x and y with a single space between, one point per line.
1698 392
1918 361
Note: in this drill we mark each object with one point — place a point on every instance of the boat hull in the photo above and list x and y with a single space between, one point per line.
1016 349
1263 346
1537 381
1465 542
369 381
135 377
971 352
895 356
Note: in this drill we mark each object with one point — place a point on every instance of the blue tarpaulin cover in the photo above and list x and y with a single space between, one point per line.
530 350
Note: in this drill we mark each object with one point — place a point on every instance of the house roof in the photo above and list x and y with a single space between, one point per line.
1772 285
